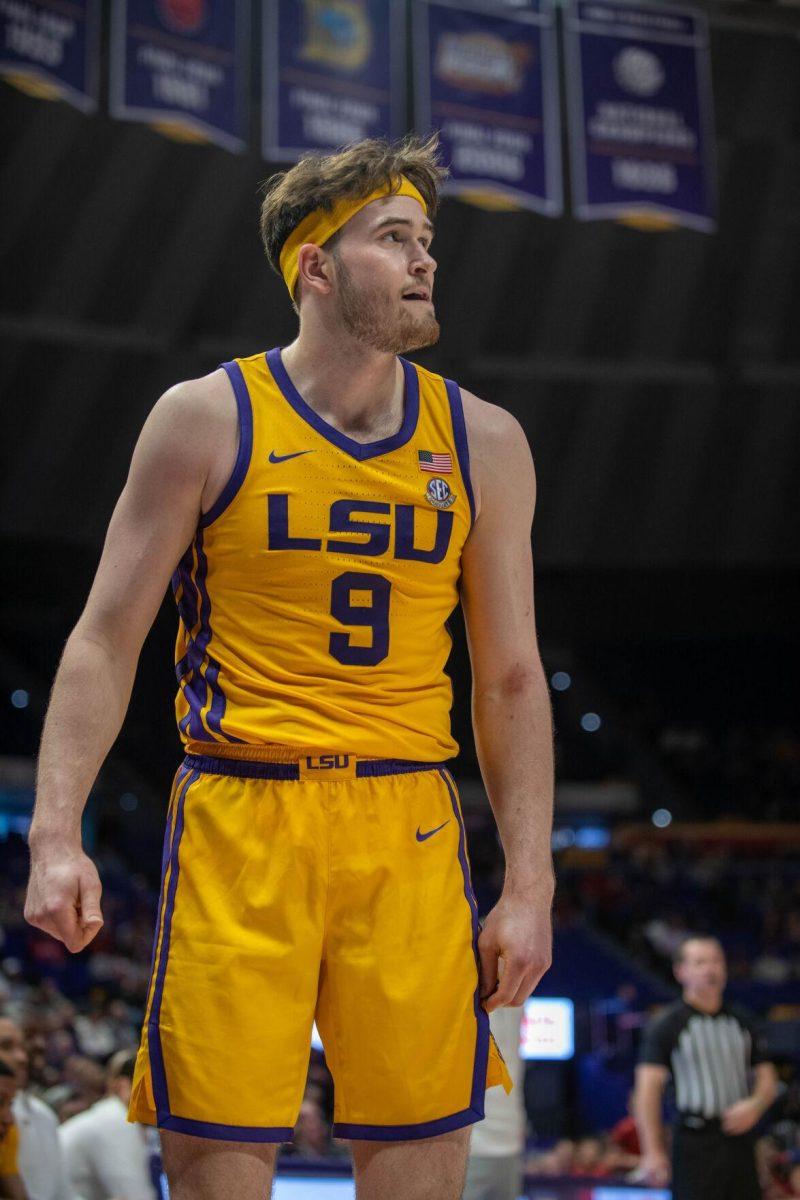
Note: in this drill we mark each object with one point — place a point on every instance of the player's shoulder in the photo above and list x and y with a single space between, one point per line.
206 398
193 423
493 433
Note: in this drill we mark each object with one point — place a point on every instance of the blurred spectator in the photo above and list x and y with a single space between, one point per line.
626 1136
87 1079
553 1162
589 1158
10 1182
495 1165
105 1155
311 1133
40 1163
95 1032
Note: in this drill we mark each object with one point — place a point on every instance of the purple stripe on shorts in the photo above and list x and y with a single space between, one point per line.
482 1017
227 1133
153 1030
165 853
402 1133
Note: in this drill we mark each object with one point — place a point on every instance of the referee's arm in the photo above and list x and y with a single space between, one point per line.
648 1097
746 1113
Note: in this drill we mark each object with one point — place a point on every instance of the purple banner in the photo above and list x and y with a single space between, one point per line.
51 49
334 72
487 79
182 65
641 116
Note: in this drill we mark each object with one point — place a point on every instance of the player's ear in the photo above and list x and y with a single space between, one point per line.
315 269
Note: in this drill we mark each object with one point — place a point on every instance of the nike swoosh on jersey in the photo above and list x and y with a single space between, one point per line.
279 458
423 837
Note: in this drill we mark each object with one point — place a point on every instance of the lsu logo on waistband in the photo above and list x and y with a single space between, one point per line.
330 767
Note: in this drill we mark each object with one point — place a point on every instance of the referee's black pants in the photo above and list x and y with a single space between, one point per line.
708 1164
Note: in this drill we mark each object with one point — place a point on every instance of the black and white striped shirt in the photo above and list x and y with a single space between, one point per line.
710 1057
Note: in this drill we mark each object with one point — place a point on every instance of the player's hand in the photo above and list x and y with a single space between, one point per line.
515 948
655 1169
741 1116
63 897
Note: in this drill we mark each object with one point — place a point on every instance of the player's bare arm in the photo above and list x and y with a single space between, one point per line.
181 462
512 719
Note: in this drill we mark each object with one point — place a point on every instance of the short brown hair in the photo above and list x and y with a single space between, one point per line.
679 952
318 181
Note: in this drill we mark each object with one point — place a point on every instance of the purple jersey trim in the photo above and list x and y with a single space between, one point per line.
460 435
355 449
245 410
157 1069
400 1133
196 689
227 1133
249 769
194 613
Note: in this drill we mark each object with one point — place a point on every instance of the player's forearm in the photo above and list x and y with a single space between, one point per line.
513 727
87 707
649 1121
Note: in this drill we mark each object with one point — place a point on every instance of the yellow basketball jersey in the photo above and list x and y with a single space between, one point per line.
314 596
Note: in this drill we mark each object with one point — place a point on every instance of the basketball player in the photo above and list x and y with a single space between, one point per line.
320 509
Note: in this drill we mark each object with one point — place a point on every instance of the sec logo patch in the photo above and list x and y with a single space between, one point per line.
438 493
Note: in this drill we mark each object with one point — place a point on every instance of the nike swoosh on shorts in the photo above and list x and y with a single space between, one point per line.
423 837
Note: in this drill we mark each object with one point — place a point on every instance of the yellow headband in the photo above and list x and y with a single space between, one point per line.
319 225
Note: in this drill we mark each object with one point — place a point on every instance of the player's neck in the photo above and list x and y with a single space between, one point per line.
351 386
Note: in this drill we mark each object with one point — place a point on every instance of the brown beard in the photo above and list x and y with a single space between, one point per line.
366 314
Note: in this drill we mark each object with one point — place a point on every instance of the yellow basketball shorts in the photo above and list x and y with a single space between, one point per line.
324 888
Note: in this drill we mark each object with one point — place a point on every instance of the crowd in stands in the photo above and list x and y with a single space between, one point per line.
723 769
78 1014
648 896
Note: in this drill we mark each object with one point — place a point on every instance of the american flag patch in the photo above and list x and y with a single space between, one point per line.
441 464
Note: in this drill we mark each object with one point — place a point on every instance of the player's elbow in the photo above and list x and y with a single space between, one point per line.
514 682
107 636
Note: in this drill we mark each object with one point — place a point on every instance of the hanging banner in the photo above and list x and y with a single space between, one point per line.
488 81
334 72
182 65
640 113
51 49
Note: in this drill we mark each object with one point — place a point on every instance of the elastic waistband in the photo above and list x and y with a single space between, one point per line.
324 767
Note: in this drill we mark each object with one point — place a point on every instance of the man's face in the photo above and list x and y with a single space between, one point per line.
12 1050
702 967
382 255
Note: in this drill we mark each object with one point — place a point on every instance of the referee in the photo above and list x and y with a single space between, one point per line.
722 1085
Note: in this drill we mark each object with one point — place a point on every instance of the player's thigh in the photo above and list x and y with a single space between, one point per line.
432 1168
199 1168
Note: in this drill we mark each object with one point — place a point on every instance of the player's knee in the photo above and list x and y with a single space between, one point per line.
196 1167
